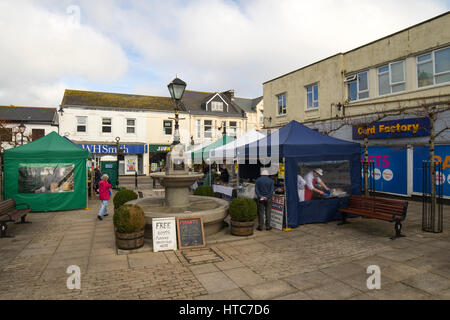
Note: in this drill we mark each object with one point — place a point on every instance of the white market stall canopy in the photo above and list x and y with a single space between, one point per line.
230 150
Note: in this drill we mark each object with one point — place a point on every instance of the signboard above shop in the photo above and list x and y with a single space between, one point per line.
157 148
111 149
402 128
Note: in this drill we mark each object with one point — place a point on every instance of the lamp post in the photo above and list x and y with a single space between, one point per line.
176 89
117 153
21 131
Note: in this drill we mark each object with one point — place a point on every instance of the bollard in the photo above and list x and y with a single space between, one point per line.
135 179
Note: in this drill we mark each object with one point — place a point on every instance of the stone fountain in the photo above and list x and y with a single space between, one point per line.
177 202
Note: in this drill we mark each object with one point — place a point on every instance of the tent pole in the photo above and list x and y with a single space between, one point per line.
286 228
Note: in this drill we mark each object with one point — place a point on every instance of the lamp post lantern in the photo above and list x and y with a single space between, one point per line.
176 89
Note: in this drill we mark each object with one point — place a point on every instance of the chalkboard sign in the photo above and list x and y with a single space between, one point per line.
190 232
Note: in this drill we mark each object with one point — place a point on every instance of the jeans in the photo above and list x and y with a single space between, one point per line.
103 211
264 207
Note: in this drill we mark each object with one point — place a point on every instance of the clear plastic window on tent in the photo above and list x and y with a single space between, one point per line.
46 178
332 178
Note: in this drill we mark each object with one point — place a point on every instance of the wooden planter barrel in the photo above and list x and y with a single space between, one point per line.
130 241
239 228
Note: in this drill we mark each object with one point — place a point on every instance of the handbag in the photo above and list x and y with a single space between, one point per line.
109 190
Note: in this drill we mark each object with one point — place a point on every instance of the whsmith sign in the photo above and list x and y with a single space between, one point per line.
402 128
111 149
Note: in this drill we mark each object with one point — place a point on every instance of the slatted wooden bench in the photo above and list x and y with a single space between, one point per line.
377 208
9 212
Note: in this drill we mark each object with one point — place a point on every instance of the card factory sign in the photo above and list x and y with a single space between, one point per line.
402 128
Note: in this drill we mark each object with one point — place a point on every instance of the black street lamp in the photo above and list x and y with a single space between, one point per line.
117 154
176 89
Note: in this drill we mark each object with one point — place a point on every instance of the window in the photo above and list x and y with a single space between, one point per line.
312 93
199 129
207 128
131 126
232 129
358 86
391 78
37 133
6 134
217 106
261 117
281 104
167 126
106 125
81 124
433 68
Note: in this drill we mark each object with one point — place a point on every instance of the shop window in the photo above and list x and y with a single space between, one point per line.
81 124
207 127
335 175
131 126
312 93
358 86
167 127
37 133
106 125
433 68
281 104
391 78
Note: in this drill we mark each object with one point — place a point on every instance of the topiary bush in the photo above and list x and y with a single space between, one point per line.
129 218
124 196
206 191
243 210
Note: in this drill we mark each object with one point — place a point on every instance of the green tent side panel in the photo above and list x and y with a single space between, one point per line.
48 174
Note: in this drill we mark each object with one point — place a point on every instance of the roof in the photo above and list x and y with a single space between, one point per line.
248 105
27 114
116 100
195 102
52 146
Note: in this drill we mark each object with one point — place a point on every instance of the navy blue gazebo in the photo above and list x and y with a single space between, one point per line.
297 144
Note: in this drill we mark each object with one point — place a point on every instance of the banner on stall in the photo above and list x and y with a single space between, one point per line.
390 169
278 203
441 155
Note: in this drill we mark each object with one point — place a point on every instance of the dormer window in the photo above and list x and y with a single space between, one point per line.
217 106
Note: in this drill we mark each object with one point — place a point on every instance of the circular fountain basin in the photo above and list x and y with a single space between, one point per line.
212 211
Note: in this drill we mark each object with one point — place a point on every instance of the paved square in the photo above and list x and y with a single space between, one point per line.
316 261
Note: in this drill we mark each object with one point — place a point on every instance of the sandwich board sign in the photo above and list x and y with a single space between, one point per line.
190 232
164 234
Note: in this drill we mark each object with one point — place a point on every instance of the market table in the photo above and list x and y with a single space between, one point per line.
226 190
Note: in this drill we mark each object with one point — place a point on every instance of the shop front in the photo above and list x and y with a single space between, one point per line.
157 156
131 156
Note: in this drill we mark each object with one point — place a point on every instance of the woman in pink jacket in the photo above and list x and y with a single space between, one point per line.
104 194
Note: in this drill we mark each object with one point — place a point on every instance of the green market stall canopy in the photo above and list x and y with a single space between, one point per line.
49 174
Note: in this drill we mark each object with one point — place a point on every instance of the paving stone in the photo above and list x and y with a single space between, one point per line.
233 294
269 290
147 259
295 296
399 271
344 270
428 282
230 264
243 276
359 281
203 268
309 280
398 291
332 291
397 255
215 282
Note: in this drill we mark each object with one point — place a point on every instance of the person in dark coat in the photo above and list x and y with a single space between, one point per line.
224 175
264 188
97 177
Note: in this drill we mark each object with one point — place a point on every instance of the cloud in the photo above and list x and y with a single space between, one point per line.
211 44
38 48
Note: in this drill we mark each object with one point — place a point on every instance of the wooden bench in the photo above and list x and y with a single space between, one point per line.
377 208
9 212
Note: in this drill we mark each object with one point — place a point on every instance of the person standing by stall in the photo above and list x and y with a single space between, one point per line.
97 177
104 194
301 183
311 179
264 188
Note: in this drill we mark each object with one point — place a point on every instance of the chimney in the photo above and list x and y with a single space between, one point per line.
230 94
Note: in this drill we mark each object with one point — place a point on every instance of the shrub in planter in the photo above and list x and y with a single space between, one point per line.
129 223
207 191
243 210
124 196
